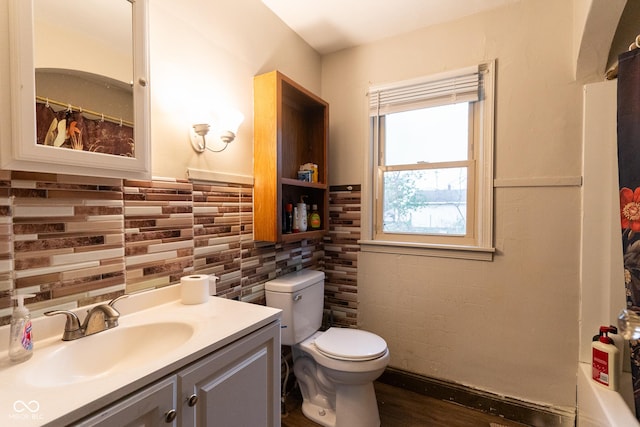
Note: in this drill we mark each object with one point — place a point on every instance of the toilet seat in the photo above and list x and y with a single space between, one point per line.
350 344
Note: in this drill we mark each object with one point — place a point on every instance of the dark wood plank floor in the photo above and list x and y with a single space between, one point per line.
403 408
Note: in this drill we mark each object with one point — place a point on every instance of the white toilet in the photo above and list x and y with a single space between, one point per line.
335 368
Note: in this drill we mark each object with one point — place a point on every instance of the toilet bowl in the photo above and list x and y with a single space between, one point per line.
338 391
335 368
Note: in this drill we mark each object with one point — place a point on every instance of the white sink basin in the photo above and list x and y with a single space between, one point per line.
120 348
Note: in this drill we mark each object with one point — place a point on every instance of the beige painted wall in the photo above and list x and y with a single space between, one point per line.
204 55
509 326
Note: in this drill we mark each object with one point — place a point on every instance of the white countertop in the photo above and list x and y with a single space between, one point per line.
216 324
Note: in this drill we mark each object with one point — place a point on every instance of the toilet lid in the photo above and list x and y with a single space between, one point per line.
350 344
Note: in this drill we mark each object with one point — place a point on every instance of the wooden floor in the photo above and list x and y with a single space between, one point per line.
403 408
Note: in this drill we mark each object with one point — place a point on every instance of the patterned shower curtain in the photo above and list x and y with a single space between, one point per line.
72 130
629 180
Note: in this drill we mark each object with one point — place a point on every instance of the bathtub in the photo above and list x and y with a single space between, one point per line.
599 407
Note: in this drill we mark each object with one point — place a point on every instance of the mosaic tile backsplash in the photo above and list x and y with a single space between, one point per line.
74 241
341 256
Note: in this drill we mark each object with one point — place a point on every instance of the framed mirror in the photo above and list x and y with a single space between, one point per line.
79 88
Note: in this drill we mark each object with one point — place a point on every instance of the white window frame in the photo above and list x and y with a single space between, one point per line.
478 245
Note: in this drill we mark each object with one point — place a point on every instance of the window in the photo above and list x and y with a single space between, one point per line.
432 163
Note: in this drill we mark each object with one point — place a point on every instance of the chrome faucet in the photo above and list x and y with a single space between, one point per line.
98 319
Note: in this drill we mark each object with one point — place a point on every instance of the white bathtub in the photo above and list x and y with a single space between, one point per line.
599 407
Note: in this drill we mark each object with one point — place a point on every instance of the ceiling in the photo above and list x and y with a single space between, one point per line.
332 25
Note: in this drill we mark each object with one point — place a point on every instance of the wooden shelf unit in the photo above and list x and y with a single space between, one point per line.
291 128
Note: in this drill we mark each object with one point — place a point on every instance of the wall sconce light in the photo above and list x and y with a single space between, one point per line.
228 123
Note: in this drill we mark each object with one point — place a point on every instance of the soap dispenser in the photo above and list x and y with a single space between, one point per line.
605 359
20 336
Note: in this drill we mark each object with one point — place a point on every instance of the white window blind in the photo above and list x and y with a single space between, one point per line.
463 85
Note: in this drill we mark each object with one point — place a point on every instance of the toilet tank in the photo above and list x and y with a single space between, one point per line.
300 296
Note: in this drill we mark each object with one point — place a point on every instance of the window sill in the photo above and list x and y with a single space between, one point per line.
421 249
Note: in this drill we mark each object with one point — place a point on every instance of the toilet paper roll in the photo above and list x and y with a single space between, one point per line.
194 289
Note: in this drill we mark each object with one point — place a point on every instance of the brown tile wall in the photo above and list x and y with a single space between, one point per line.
6 239
73 241
341 256
67 236
158 232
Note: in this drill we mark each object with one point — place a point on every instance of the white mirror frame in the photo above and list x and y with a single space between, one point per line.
23 153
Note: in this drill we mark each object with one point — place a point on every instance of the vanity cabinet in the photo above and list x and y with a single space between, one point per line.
237 385
152 406
291 128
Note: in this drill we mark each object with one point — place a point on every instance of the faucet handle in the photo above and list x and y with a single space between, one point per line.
112 320
72 329
116 299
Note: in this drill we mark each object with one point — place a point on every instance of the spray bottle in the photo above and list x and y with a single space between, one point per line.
20 337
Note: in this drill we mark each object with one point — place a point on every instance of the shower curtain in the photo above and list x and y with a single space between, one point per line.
629 181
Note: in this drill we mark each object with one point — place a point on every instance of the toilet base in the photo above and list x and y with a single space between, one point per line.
356 406
317 414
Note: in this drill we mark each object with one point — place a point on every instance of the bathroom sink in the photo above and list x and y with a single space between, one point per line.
117 349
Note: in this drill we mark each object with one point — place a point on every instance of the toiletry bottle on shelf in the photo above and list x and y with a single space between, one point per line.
314 218
20 335
302 215
288 218
296 219
605 360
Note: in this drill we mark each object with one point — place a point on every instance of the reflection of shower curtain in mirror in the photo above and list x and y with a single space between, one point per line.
629 177
72 130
